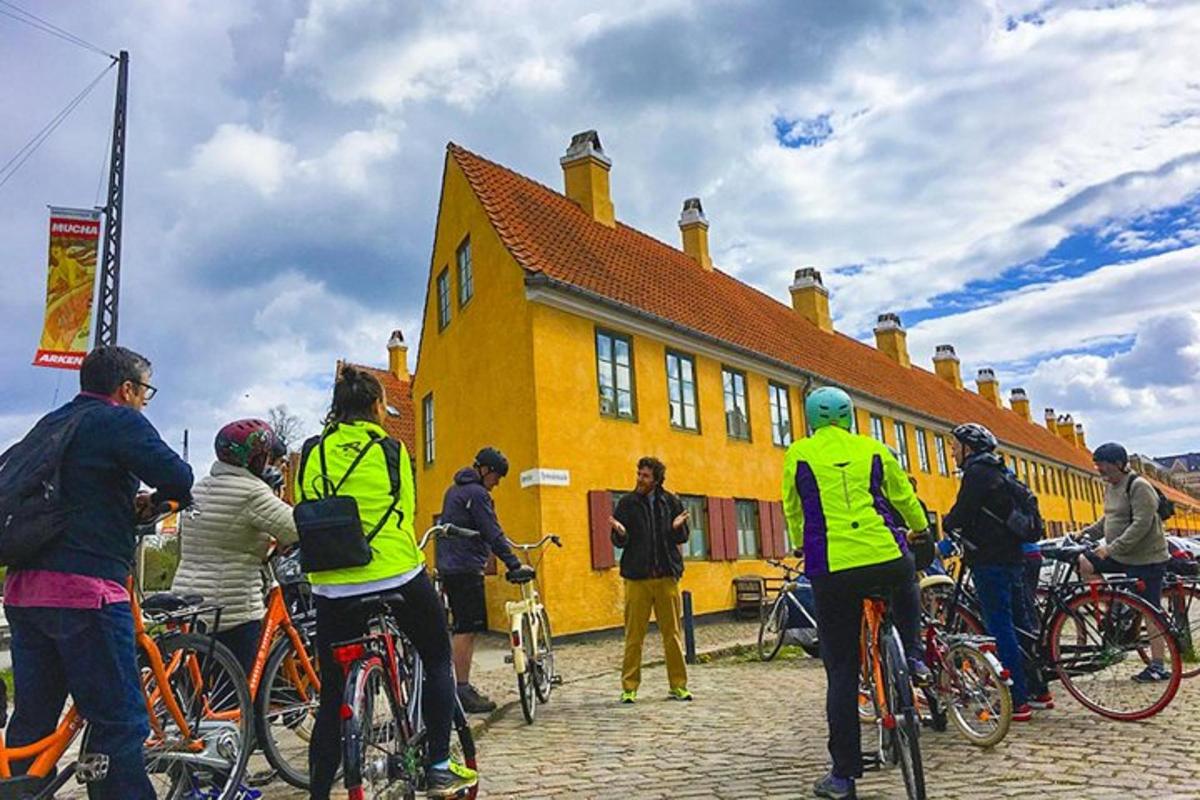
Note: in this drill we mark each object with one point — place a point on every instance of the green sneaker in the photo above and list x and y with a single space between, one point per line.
680 693
454 781
629 695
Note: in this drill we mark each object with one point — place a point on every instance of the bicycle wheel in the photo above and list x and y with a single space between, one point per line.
936 592
905 736
1093 645
286 708
207 683
527 680
371 738
544 666
772 629
1183 606
979 702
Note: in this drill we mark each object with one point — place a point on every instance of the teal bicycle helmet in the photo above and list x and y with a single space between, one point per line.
829 406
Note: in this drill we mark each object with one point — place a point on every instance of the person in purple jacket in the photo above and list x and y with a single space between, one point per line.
461 562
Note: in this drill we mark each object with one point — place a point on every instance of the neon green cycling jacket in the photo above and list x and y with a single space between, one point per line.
385 469
842 496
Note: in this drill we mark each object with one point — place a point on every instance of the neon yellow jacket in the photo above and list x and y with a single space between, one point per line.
385 468
841 495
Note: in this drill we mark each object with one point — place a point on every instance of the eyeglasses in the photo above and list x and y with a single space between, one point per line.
150 390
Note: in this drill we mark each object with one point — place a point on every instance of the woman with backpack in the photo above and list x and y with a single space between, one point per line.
345 559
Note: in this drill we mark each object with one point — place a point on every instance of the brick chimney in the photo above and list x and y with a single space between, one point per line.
1020 403
989 387
811 298
694 227
1051 423
398 355
585 177
946 365
891 339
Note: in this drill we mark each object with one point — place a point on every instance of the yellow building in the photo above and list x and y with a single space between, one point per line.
577 344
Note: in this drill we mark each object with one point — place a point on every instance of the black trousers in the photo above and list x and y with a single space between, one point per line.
423 620
839 598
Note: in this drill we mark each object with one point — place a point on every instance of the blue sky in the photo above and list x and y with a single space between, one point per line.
1019 179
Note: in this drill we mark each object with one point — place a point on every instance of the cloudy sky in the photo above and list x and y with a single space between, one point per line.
1020 179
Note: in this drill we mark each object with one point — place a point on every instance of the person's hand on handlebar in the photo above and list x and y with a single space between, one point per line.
520 574
919 537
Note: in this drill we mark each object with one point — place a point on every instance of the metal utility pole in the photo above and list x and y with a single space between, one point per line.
110 265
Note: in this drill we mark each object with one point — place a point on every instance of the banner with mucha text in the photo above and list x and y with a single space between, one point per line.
70 286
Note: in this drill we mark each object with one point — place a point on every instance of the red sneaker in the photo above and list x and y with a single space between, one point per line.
1023 713
1043 702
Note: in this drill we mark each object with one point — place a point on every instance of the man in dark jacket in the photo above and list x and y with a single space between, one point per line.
650 524
72 629
992 551
461 562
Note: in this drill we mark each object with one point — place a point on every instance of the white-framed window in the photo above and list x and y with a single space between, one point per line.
614 368
427 427
923 449
877 428
681 391
939 447
737 413
901 443
781 414
697 543
443 298
747 528
466 276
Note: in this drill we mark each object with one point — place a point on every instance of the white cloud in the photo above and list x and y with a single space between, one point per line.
237 154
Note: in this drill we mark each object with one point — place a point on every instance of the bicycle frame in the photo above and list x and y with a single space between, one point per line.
277 620
872 664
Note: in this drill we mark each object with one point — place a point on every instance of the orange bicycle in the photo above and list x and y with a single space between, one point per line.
285 681
199 713
887 690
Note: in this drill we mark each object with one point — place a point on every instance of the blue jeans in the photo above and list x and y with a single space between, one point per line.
89 654
997 586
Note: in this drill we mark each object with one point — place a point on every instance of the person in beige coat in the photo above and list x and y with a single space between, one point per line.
236 517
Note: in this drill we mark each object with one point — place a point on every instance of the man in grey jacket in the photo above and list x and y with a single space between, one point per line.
1134 542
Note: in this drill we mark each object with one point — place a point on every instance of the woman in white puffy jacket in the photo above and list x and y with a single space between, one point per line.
225 540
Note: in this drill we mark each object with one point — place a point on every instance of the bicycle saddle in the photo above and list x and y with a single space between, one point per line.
167 602
385 599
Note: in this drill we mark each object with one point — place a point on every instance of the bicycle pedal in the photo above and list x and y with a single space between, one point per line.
91 768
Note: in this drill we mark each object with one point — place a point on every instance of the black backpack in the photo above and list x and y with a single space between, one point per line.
33 514
1166 506
1024 521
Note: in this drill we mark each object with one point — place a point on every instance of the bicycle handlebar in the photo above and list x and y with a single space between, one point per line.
550 537
446 530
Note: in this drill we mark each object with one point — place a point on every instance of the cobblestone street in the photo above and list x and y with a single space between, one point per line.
758 730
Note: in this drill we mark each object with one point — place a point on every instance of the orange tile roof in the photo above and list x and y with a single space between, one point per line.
550 235
1175 494
399 397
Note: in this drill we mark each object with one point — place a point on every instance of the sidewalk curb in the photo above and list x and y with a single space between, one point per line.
481 724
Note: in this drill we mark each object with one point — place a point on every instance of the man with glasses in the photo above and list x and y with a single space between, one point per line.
72 630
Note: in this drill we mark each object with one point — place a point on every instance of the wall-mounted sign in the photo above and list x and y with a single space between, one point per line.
545 477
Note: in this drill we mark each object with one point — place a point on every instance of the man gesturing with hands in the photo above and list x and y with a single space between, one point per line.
650 524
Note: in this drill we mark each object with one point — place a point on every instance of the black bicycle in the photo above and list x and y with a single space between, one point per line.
786 617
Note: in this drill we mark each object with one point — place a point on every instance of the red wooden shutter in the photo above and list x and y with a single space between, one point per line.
779 529
731 532
766 530
600 509
716 530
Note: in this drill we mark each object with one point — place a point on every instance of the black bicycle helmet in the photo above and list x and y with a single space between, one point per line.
493 459
1110 453
976 437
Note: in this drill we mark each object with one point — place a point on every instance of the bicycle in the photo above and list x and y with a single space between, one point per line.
532 654
788 617
285 681
969 686
885 672
384 738
1181 594
1091 636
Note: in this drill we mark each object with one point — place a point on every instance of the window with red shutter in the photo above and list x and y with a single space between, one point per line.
766 525
729 514
716 530
600 509
779 530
